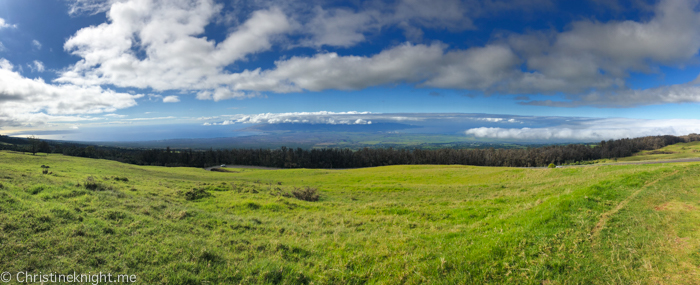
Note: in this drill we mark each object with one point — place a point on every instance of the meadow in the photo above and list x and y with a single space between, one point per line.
674 151
418 224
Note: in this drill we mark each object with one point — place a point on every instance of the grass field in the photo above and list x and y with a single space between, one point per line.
674 151
626 224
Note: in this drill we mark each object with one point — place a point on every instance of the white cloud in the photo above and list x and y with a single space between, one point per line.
171 99
90 7
2 47
593 130
115 115
679 93
499 120
160 45
590 55
404 63
31 102
222 93
321 117
340 27
4 24
36 44
176 55
151 119
154 97
36 66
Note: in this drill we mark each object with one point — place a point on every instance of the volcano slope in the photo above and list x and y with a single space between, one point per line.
619 224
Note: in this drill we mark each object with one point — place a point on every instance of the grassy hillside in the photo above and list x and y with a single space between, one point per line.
674 151
389 225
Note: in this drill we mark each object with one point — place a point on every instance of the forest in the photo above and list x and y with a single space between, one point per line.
345 158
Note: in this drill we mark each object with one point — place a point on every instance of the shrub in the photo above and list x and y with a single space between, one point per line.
196 193
91 183
551 165
121 179
306 194
37 189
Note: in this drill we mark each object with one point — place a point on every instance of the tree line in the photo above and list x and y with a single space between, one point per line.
366 157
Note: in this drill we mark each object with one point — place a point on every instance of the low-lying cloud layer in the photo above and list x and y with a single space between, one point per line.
502 127
539 129
322 117
591 130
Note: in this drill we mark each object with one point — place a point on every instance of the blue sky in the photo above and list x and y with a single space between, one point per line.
78 69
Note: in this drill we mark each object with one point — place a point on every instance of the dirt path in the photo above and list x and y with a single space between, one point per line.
606 216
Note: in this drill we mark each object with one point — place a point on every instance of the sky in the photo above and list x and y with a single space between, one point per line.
532 69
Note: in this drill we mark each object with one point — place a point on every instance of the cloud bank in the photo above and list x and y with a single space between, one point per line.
321 117
591 130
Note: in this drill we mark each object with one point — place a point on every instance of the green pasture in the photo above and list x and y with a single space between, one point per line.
612 224
674 151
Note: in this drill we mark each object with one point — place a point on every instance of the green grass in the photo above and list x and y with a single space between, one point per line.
384 225
674 151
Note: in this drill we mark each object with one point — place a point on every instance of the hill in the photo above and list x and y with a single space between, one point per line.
674 151
393 225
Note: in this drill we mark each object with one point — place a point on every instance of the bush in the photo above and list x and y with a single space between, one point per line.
306 194
91 183
196 193
551 165
121 179
37 189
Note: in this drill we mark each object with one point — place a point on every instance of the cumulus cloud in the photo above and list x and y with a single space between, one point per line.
340 27
171 99
679 93
589 56
403 63
4 24
37 66
36 44
160 45
590 60
592 130
174 55
32 102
